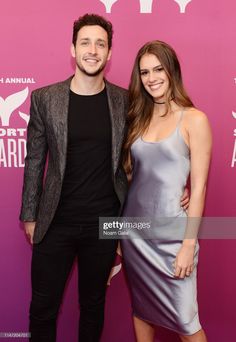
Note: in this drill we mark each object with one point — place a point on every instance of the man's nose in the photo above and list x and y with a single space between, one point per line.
93 49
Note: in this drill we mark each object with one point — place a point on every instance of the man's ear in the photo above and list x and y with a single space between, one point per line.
72 50
109 55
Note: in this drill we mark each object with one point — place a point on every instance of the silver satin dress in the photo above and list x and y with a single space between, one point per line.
160 173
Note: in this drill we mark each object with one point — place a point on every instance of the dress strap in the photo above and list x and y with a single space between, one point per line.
180 118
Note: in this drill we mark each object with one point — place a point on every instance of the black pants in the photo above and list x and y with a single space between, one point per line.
52 260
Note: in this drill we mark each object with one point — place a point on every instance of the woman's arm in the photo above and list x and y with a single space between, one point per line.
200 142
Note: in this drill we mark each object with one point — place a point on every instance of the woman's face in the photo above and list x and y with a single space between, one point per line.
154 77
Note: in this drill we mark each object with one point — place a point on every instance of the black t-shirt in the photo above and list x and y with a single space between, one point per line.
88 190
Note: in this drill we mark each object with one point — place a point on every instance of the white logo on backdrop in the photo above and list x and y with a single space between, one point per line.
10 104
25 117
108 4
145 5
182 4
233 162
13 140
114 271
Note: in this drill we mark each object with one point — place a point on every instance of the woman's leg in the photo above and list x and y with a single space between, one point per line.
197 337
144 331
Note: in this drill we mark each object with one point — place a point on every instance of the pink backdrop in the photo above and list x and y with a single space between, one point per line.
35 40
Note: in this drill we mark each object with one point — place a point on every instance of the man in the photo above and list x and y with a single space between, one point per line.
79 125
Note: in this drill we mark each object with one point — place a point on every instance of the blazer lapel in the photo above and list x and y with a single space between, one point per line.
117 123
60 107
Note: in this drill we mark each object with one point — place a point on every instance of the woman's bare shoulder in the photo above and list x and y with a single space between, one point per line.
195 117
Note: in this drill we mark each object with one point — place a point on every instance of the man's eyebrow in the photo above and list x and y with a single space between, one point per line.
87 38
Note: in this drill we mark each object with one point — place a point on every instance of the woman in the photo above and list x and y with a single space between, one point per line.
167 139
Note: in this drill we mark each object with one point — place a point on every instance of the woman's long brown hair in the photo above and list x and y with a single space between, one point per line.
141 104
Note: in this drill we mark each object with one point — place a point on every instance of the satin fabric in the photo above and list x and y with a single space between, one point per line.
160 173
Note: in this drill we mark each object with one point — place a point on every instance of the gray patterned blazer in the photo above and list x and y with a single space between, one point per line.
47 137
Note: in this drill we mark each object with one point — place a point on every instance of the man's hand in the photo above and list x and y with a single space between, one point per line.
29 230
184 201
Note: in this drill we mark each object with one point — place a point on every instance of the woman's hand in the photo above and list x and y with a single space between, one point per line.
183 264
184 201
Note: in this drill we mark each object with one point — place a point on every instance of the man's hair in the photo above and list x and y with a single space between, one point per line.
91 20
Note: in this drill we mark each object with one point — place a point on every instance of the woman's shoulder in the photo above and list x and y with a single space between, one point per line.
197 126
193 117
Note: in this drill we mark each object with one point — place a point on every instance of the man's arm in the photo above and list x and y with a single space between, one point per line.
34 165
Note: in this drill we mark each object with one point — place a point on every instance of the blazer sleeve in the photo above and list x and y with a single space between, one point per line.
34 162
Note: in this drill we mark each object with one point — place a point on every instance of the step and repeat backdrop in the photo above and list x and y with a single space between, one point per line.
35 38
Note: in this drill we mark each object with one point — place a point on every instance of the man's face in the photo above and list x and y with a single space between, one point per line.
91 51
